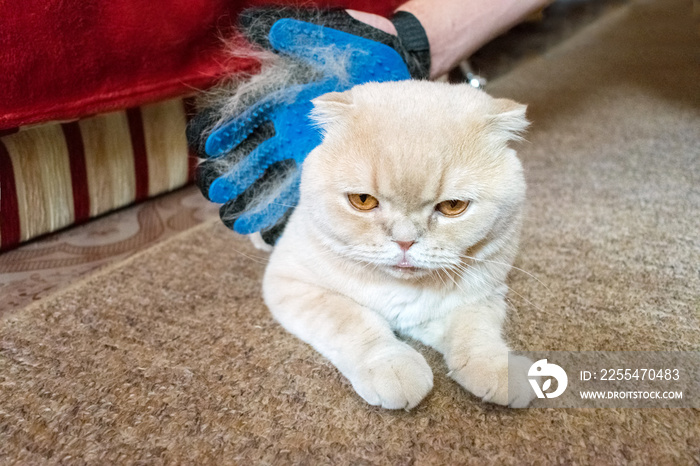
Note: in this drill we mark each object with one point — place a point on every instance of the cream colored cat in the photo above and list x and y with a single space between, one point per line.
408 222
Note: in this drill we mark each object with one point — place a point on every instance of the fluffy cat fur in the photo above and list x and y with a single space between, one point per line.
334 278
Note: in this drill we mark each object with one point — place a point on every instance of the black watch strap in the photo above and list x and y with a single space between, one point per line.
414 39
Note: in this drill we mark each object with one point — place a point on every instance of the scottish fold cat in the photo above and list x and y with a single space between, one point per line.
407 224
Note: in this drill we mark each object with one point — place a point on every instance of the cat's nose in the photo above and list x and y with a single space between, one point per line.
405 245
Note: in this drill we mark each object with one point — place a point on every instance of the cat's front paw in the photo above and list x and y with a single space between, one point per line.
487 378
394 377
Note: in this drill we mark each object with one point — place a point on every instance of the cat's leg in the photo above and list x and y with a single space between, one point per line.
383 370
477 355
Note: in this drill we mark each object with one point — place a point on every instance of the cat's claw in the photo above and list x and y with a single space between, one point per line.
397 377
487 378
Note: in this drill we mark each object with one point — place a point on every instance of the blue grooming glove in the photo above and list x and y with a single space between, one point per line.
260 190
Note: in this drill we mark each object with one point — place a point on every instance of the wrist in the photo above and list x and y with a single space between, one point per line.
441 31
458 28
376 21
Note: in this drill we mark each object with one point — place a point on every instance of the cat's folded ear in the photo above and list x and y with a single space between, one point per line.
509 119
331 107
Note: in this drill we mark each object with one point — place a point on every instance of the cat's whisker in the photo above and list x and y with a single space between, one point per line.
481 279
437 273
453 280
518 294
528 301
258 260
511 306
484 272
364 262
473 274
440 277
511 266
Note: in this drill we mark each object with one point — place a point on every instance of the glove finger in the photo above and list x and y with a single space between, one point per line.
272 234
261 192
267 214
232 133
252 167
212 168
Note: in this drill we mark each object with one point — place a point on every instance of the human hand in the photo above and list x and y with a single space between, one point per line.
262 187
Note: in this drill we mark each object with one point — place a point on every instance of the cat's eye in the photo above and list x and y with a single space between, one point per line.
452 208
363 201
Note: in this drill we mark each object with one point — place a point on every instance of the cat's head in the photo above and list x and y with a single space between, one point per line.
413 176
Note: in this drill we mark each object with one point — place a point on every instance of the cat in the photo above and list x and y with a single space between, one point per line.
408 223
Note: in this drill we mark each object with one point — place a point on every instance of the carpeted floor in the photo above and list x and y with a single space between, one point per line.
171 357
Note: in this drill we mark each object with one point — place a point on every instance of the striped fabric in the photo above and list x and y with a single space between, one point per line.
58 174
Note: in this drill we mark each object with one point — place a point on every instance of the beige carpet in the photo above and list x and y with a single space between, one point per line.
171 357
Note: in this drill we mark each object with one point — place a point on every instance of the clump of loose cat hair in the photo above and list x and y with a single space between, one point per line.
345 279
275 75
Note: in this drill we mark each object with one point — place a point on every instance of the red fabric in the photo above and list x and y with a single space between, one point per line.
138 145
64 59
78 171
9 210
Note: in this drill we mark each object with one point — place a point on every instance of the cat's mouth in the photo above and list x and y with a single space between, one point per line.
405 266
406 271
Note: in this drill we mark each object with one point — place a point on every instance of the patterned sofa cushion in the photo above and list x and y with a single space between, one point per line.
57 174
